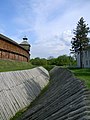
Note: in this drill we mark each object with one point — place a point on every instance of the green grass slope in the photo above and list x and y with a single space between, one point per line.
83 74
8 65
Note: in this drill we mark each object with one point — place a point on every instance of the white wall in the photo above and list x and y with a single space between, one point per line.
86 59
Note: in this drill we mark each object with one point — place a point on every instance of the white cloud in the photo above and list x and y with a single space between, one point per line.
52 21
54 46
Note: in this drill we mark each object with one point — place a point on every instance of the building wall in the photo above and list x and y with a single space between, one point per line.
78 60
9 50
85 59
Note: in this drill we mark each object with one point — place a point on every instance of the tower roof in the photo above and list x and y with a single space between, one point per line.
24 42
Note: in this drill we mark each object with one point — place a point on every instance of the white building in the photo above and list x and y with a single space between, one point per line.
85 58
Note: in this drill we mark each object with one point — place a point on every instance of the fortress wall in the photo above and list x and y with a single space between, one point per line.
11 50
19 88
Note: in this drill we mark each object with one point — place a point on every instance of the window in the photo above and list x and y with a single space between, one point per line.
86 62
86 53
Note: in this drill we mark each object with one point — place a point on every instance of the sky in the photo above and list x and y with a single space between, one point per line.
48 24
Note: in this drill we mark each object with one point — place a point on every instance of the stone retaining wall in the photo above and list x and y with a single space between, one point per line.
19 88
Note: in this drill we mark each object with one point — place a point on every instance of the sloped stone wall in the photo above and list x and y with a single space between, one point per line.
66 99
19 88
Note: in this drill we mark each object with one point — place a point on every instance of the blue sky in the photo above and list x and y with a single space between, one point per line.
48 24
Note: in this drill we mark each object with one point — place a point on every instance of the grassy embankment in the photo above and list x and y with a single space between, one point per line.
83 74
8 65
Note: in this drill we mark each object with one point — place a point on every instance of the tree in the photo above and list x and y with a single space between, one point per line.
50 57
63 60
37 61
80 40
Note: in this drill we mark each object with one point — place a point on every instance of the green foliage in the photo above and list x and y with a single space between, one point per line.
8 65
49 67
63 60
80 40
52 61
38 62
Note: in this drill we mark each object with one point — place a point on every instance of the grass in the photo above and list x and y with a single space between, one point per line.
9 65
83 74
48 67
19 113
